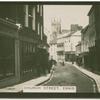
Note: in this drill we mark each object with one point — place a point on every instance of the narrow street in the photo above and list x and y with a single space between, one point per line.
68 75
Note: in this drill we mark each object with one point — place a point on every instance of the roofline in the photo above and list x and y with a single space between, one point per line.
73 33
91 9
68 35
84 29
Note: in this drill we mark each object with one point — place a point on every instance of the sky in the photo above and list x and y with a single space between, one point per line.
69 14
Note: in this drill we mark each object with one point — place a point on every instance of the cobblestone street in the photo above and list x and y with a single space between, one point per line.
68 75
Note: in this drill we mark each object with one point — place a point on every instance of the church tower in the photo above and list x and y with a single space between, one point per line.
55 27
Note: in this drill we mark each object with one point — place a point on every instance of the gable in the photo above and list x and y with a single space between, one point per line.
77 33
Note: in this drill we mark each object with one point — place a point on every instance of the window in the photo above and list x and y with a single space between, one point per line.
60 45
38 8
24 47
30 21
33 21
26 15
30 48
30 15
33 49
38 28
41 33
41 10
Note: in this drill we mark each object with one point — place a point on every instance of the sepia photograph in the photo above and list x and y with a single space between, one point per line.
49 47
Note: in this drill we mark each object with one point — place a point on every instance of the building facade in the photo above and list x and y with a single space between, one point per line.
61 38
85 46
60 47
78 54
91 61
53 50
70 45
66 45
22 40
78 48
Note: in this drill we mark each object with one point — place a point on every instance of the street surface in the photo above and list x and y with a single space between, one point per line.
68 75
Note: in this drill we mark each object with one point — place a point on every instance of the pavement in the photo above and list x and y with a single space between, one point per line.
68 75
92 75
42 79
20 87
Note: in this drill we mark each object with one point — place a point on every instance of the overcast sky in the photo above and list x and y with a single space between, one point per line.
69 14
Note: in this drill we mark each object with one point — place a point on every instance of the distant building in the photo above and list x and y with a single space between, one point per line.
78 53
72 40
53 50
61 38
75 27
66 44
56 26
60 47
55 29
78 48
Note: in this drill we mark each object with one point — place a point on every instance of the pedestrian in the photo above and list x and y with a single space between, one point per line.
63 63
49 66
